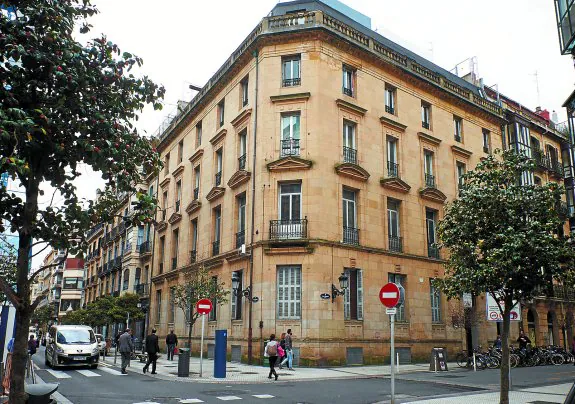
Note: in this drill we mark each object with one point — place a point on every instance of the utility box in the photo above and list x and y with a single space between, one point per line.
220 354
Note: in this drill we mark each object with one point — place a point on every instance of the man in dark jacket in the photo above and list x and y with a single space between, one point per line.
171 342
152 348
126 348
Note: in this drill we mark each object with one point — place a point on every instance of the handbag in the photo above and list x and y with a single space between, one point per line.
176 351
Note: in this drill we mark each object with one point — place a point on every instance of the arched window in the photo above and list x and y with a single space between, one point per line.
126 279
137 276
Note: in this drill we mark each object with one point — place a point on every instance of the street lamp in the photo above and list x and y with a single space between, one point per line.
247 292
343 284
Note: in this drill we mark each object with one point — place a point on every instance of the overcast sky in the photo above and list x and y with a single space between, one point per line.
186 41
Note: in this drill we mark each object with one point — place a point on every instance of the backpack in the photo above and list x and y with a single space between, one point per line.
272 350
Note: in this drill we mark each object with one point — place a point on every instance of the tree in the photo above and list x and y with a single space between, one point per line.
504 239
43 315
64 105
125 305
76 317
8 257
198 284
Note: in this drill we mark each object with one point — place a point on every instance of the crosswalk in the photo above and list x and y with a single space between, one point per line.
221 398
58 374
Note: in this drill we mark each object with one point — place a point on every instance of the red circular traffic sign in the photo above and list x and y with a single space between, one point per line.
389 295
204 306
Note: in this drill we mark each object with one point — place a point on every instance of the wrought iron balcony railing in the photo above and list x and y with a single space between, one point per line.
144 247
395 244
218 179
240 238
389 109
289 147
392 170
350 235
349 155
425 124
288 229
242 162
216 247
177 206
196 193
429 181
347 91
433 251
291 82
141 289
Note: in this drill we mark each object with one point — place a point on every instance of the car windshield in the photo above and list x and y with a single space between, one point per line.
78 336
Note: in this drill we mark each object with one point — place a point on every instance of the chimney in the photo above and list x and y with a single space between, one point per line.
554 117
543 113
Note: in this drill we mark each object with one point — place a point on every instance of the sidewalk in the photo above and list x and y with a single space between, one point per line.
243 373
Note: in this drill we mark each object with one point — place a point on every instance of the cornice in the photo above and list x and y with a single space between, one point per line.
161 226
215 193
193 206
165 182
352 171
218 136
395 184
393 124
432 194
461 151
290 97
289 163
178 171
240 177
343 104
196 156
429 139
242 116
175 218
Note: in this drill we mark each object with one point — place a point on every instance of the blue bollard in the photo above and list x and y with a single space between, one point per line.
220 352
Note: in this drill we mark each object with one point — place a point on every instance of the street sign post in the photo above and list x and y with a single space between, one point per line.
203 306
389 296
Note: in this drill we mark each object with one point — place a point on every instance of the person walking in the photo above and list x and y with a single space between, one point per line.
32 345
171 342
126 348
152 348
289 351
271 352
497 343
283 346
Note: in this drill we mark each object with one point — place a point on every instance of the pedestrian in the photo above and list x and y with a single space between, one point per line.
523 340
289 350
283 346
497 343
126 348
8 368
152 348
271 352
32 345
171 342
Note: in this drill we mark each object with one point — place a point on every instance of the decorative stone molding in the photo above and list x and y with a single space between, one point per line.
218 136
240 177
461 151
429 139
165 182
242 117
178 171
277 250
213 262
289 163
352 170
215 193
290 97
432 194
395 184
161 226
393 124
196 156
193 206
174 218
350 107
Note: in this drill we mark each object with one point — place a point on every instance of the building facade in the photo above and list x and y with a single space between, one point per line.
319 151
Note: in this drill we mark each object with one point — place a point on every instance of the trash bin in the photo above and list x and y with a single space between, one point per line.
184 362
40 393
220 353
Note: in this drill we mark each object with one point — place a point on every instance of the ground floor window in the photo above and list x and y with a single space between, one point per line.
289 291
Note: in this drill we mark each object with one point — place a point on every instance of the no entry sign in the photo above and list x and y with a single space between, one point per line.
204 306
389 295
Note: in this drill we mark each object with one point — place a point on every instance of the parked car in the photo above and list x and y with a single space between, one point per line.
102 344
72 345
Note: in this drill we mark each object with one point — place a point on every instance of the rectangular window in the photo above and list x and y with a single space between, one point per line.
198 134
221 113
180 151
350 231
291 75
172 309
393 225
236 296
289 292
460 172
399 280
213 316
290 203
178 195
486 141
217 230
73 283
241 233
458 129
243 142
390 93
162 254
435 296
196 182
165 205
290 128
428 169
425 115
158 306
219 165
431 225
349 148
245 91
521 143
194 239
167 163
353 295
175 247
348 86
392 162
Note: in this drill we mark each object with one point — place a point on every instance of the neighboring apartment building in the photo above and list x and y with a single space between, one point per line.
328 152
72 285
118 259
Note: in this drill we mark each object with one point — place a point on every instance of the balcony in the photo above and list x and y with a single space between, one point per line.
118 263
556 168
392 170
144 247
349 155
142 289
289 147
196 193
288 229
425 125
389 110
177 206
193 256
121 228
429 181
395 244
174 263
347 91
291 82
93 230
216 247
218 179
540 159
240 238
242 162
350 235
127 249
433 251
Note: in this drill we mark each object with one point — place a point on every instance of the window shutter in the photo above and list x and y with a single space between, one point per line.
346 299
359 294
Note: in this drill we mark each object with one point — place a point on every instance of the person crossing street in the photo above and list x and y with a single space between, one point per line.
126 348
152 348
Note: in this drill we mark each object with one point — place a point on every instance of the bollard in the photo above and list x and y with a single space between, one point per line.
397 367
474 363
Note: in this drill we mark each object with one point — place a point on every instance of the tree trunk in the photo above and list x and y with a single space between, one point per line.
190 337
20 356
504 375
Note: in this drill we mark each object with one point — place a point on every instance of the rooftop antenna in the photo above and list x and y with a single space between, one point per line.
536 74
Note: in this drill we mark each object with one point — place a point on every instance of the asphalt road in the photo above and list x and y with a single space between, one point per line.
106 385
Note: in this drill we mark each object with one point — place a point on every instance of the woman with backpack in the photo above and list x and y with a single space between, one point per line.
271 352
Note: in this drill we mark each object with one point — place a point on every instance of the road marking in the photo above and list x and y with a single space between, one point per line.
191 401
88 373
228 398
112 371
263 396
58 374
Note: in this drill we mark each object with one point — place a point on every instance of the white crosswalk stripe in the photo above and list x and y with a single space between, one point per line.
191 401
88 373
263 396
58 374
228 398
111 371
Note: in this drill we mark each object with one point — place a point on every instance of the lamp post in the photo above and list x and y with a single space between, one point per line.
247 292
343 285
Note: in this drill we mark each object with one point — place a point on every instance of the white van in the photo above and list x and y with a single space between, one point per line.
72 345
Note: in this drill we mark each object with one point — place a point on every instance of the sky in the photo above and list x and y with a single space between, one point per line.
185 42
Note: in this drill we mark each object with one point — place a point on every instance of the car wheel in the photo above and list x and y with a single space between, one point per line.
94 366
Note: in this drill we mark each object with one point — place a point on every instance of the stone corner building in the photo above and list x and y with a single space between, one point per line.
324 148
